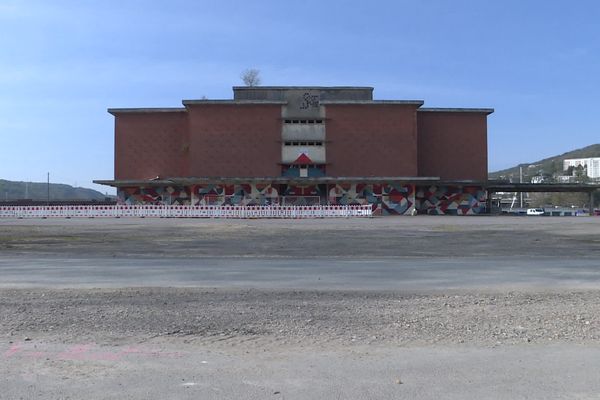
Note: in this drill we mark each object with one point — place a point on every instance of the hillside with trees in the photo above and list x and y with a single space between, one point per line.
38 191
548 167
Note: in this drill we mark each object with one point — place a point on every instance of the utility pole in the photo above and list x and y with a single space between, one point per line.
521 181
48 190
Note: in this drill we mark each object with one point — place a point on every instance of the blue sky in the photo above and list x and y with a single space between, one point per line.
63 63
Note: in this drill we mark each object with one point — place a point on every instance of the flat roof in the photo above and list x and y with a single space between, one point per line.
457 110
302 87
114 111
375 102
232 102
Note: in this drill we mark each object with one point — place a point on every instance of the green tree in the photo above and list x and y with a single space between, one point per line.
581 174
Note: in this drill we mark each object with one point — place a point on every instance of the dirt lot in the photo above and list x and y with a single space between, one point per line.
270 340
346 238
304 318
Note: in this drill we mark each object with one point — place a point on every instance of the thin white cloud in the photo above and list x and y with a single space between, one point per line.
102 72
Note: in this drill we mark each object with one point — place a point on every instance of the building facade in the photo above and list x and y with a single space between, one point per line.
304 145
590 165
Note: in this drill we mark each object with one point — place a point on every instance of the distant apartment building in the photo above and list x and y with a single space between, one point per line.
590 165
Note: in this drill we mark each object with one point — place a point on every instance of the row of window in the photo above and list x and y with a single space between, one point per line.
304 143
303 121
301 166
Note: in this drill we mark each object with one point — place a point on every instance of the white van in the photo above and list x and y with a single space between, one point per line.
535 211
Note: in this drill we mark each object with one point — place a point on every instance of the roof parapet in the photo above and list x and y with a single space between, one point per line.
374 102
115 111
457 110
303 87
232 102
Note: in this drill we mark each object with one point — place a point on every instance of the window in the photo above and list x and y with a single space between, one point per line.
299 166
303 121
296 143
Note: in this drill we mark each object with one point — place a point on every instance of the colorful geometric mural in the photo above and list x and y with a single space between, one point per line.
451 200
238 195
264 194
397 199
208 195
297 190
176 195
298 195
245 194
387 199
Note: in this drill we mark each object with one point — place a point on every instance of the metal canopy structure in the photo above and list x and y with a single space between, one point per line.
490 186
499 186
276 180
541 187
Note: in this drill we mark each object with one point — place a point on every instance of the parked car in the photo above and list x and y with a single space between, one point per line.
535 211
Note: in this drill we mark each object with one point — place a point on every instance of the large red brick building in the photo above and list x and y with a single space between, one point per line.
304 145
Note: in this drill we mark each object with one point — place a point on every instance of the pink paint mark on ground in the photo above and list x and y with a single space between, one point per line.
77 352
103 356
12 350
148 352
35 354
131 350
87 352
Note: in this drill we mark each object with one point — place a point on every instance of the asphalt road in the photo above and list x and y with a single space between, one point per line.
188 372
403 274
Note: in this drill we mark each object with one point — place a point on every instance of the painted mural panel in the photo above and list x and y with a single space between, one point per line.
243 194
176 195
214 194
387 199
397 199
451 200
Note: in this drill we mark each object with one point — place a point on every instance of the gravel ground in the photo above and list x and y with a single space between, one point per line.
272 342
310 317
303 318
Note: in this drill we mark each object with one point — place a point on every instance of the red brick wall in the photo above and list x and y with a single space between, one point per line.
235 140
371 140
150 144
244 140
453 145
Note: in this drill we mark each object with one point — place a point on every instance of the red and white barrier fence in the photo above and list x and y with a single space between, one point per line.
163 211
